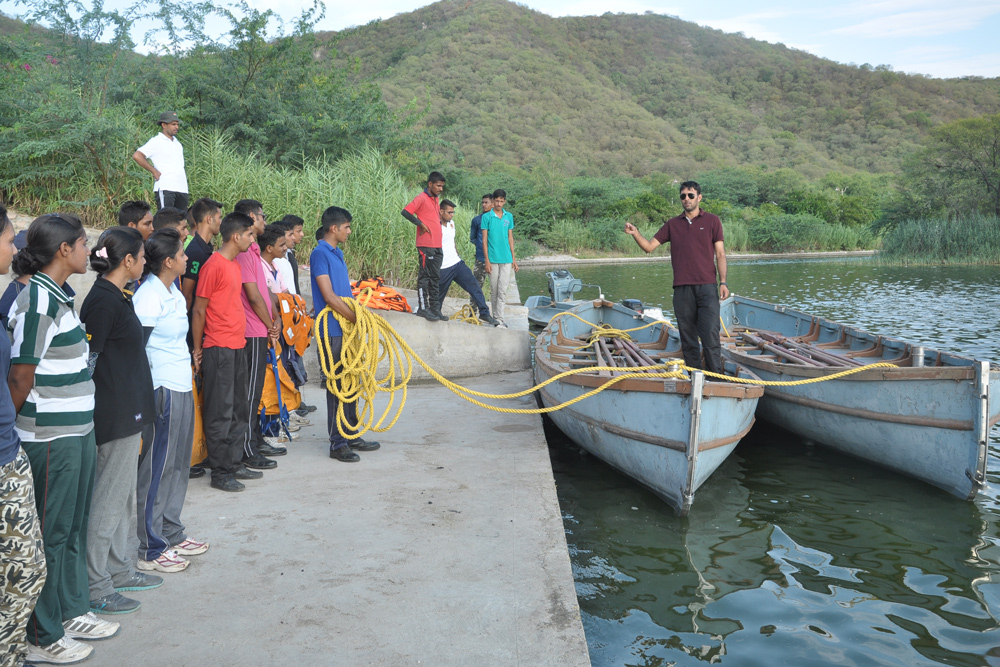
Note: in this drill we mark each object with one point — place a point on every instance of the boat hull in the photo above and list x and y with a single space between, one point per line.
929 422
668 435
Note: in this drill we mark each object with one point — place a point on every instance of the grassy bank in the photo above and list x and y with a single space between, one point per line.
970 240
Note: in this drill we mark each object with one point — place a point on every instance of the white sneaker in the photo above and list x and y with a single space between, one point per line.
190 547
168 561
293 427
66 651
301 421
90 627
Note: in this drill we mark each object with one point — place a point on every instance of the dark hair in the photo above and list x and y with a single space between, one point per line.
4 220
488 195
46 234
119 242
234 223
162 244
203 208
435 177
248 206
447 202
269 236
334 216
281 226
498 193
189 216
167 217
293 220
132 212
690 185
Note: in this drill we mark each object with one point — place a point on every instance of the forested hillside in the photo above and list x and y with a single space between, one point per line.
633 95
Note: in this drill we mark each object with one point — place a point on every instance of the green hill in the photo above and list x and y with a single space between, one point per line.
632 95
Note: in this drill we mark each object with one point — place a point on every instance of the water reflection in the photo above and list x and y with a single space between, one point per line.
793 554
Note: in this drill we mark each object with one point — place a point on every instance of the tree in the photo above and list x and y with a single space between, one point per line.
969 150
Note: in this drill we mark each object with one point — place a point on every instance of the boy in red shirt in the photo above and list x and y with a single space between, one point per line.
218 331
424 212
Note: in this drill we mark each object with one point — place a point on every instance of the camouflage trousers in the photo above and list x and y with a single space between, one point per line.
22 557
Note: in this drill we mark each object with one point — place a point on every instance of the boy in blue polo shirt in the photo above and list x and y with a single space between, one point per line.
330 286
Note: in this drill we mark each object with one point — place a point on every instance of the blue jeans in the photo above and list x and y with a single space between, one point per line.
460 273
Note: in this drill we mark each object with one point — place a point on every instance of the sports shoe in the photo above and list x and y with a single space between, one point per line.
500 324
139 581
190 547
168 561
298 419
66 651
228 484
293 426
245 473
267 449
90 627
489 319
259 462
362 445
116 603
344 455
196 472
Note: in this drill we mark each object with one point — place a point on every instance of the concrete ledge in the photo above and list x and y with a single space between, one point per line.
453 349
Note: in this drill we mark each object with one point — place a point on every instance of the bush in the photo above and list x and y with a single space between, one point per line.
971 240
785 233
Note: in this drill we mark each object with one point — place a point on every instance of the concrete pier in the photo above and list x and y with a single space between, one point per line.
444 547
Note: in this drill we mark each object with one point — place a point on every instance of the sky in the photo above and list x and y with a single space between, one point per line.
913 36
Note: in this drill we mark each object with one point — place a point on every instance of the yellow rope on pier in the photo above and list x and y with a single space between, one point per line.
369 340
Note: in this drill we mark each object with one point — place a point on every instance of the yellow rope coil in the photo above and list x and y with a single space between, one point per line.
371 339
467 315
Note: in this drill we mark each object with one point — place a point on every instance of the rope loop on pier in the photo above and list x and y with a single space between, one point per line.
369 340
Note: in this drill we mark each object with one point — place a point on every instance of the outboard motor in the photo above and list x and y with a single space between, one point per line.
634 304
562 285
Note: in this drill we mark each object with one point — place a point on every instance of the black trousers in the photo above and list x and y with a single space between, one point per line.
256 357
168 198
224 386
332 402
696 308
428 279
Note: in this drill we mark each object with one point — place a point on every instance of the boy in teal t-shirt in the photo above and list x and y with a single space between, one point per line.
498 244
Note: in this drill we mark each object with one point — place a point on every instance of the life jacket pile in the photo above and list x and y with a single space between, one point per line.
374 293
296 325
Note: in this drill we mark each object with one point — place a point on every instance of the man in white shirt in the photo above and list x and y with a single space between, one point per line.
170 181
453 269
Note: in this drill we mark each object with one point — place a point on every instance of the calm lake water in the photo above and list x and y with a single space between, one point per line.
793 554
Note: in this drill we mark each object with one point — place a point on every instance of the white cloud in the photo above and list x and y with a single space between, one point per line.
758 25
984 65
923 23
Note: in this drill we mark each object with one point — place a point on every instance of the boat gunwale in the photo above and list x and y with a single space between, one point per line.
551 368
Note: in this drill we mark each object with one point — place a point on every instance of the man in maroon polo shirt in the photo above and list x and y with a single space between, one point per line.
424 212
695 249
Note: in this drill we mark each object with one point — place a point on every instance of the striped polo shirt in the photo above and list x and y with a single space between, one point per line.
47 333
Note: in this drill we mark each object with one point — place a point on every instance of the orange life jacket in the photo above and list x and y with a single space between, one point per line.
373 293
296 325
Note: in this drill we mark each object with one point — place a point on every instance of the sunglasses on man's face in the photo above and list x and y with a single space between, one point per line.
688 195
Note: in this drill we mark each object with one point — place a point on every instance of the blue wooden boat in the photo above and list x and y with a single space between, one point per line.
928 417
667 434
